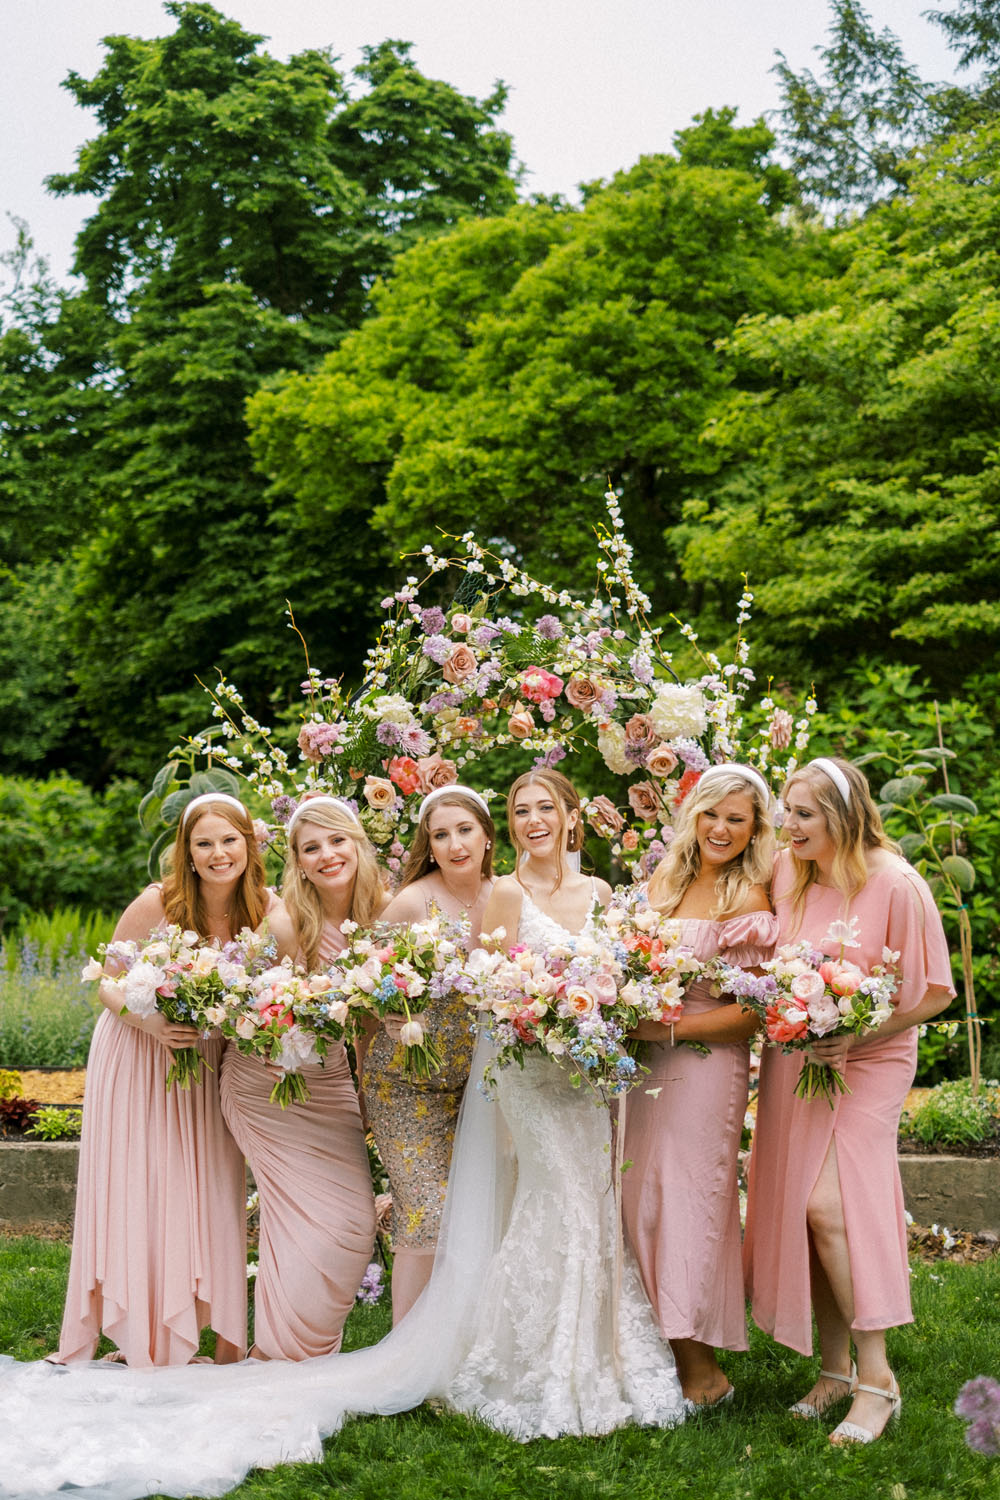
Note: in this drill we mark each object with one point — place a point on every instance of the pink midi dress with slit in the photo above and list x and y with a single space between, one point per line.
683 1124
317 1208
895 910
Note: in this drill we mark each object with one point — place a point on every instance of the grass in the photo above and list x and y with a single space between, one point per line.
752 1451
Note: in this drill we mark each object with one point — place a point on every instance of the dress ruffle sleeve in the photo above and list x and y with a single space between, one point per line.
749 939
914 929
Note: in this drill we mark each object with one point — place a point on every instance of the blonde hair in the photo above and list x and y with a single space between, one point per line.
420 863
301 897
854 827
681 864
566 798
182 893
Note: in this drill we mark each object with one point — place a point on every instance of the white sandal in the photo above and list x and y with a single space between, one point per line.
807 1409
850 1432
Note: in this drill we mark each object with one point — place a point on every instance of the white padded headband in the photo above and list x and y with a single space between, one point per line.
444 791
747 772
207 797
836 775
302 810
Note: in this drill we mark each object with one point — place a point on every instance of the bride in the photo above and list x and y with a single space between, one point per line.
531 1321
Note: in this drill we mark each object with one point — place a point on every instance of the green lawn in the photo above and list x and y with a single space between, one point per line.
750 1452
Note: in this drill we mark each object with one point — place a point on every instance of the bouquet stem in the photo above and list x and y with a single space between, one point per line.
423 1060
821 1080
290 1089
186 1067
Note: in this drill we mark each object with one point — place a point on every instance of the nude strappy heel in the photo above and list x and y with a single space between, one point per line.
807 1409
851 1432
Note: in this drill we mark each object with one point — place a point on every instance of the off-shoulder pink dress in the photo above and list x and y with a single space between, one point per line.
895 909
317 1209
680 1199
159 1239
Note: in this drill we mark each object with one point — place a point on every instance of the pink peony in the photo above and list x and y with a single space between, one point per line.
405 772
808 988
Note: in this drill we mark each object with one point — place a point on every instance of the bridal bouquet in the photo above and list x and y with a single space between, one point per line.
803 996
287 1019
398 971
560 1002
188 981
658 966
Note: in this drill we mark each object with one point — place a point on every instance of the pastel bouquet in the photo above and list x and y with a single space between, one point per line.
190 982
399 970
286 1019
560 1002
802 995
658 966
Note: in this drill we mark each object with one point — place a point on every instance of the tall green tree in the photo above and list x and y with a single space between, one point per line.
860 483
246 208
513 365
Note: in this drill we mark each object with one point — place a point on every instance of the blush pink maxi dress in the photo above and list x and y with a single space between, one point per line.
159 1238
317 1208
680 1196
895 909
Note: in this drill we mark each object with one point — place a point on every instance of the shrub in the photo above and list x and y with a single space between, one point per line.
54 1124
63 844
951 1116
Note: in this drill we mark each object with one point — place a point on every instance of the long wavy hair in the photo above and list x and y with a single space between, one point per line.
182 891
567 800
301 897
420 863
854 826
682 862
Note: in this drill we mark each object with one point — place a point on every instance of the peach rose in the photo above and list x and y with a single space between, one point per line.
605 817
643 800
436 772
460 664
630 841
462 624
662 761
379 792
520 723
639 731
582 692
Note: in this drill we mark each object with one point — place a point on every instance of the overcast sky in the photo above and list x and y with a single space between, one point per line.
594 83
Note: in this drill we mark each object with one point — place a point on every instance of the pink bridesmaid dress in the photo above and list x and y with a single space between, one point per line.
680 1198
895 909
317 1208
159 1239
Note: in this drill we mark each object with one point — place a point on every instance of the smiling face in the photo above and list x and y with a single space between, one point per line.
218 850
457 840
328 857
539 824
805 826
724 829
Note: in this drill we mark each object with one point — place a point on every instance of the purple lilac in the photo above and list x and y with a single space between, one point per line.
438 648
549 628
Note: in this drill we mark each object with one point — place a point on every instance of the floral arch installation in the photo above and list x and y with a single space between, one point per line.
443 688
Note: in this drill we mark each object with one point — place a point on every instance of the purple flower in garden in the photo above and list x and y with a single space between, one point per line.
432 620
608 699
651 858
389 733
488 673
549 628
636 755
691 753
508 626
371 1287
282 808
641 667
483 634
438 648
550 758
979 1403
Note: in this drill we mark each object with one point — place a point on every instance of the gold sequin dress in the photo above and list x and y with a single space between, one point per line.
413 1122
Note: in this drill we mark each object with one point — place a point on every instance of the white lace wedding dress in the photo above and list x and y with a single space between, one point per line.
532 1320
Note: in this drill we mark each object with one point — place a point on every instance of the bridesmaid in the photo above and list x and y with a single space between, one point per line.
825 1215
680 1197
317 1210
159 1240
450 869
